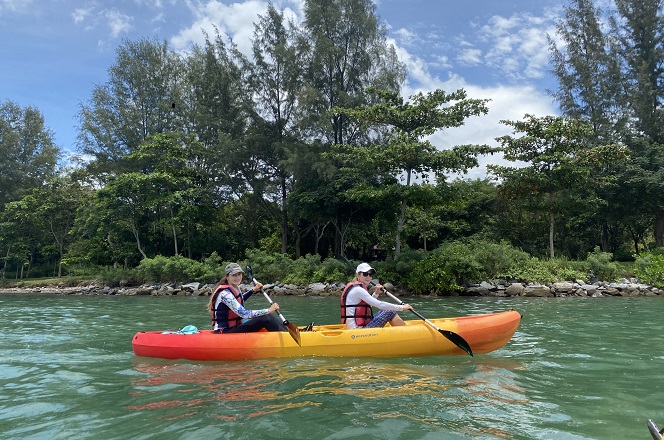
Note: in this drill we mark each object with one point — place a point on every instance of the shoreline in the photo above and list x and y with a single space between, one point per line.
495 288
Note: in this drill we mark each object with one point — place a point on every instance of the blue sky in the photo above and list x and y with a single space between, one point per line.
55 51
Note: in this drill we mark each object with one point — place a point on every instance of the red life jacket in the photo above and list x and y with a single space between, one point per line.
363 313
223 315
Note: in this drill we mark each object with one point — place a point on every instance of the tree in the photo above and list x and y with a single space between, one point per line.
21 235
640 30
346 52
29 155
159 196
559 161
613 77
55 209
588 71
408 152
275 80
141 98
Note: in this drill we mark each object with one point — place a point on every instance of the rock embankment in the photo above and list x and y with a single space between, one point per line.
495 288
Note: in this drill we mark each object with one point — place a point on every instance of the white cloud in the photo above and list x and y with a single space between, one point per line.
406 36
18 6
518 44
80 14
470 57
117 21
236 20
506 102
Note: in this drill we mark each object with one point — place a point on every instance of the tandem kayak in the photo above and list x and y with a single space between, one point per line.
484 333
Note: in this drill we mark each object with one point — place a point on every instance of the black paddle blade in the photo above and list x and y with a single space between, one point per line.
457 340
250 273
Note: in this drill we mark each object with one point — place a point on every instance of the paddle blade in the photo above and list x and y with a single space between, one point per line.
457 340
294 332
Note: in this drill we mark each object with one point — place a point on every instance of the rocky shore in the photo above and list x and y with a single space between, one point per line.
495 288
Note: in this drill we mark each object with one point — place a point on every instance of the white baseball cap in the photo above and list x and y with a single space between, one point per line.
364 267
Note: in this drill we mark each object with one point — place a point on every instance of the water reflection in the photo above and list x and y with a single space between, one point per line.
468 395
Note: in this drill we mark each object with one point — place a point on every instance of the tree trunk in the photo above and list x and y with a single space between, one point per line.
659 228
604 240
402 219
4 267
551 227
284 218
138 240
60 260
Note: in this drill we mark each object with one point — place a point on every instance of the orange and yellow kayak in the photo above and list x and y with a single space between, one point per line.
484 333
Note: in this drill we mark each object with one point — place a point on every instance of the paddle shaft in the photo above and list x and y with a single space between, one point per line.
292 328
267 297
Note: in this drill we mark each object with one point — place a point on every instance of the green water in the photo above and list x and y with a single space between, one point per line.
576 369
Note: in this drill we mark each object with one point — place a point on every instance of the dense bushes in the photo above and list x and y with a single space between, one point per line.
272 267
649 268
458 263
446 269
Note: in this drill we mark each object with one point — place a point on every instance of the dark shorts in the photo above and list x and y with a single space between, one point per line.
381 318
269 322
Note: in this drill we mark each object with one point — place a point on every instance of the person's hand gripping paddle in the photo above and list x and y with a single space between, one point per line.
292 328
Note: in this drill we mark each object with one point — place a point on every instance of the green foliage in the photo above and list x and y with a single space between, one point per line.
310 269
408 151
252 176
112 277
432 275
601 266
459 262
269 266
273 267
547 271
398 271
29 155
302 270
649 268
330 270
179 269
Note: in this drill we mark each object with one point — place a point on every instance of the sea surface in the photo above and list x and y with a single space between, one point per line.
577 368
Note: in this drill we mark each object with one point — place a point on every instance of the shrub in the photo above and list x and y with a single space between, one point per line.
601 266
547 271
432 275
649 268
269 267
456 263
113 277
330 270
170 269
302 270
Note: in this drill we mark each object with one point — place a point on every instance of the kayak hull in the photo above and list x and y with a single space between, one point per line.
484 333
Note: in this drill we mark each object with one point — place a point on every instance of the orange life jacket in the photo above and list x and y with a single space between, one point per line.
363 313
223 315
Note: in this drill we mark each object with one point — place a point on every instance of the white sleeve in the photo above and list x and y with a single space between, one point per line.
361 294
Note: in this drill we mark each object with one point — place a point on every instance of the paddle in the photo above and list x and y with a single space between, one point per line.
455 338
656 433
292 328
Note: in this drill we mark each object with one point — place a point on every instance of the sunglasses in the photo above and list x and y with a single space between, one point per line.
368 274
